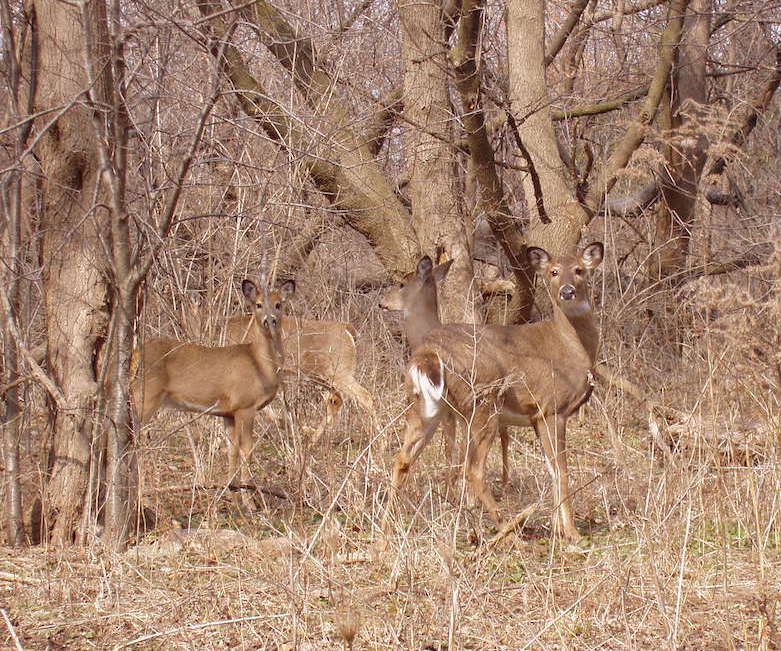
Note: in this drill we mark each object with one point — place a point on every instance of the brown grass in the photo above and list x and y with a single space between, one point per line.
681 552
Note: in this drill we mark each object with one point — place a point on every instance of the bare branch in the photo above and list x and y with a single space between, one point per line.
755 109
635 134
560 37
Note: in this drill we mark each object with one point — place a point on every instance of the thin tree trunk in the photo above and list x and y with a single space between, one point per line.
675 215
11 203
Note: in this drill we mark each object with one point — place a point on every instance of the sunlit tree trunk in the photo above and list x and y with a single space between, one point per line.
530 106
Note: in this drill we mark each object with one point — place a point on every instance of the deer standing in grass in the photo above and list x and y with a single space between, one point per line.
229 381
540 372
416 297
321 350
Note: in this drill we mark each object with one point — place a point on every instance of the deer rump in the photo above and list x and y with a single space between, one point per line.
537 380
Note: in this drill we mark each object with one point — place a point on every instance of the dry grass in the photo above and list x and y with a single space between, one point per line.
681 552
686 555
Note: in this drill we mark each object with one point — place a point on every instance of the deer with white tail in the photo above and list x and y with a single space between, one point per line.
416 297
538 373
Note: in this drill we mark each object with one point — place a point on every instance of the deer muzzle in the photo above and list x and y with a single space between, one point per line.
567 293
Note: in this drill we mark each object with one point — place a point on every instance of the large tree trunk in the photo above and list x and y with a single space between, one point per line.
74 287
530 106
432 189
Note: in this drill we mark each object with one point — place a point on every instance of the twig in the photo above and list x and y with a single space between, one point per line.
195 627
16 382
10 628
36 371
15 578
518 521
181 488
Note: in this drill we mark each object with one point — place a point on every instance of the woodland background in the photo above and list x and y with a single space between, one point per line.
156 153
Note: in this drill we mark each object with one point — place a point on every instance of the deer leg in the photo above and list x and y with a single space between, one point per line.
233 455
349 387
417 435
504 437
243 428
552 434
483 430
333 403
566 519
451 449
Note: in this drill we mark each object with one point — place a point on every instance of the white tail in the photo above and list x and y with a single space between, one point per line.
538 372
228 381
416 297
430 389
322 350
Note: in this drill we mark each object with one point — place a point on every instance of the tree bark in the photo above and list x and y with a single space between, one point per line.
11 240
504 225
74 288
530 108
675 215
432 188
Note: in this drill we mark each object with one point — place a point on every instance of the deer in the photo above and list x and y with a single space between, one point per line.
416 297
231 381
321 350
540 372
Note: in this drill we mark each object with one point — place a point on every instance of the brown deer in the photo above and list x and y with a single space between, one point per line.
540 372
321 350
229 381
416 297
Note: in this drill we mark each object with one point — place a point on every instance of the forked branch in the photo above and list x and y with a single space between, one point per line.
636 132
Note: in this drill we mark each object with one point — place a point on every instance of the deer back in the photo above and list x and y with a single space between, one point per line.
321 349
525 369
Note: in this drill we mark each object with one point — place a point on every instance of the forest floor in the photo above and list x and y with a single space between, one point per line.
681 553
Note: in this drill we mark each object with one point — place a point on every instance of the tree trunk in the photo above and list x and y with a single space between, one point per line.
436 214
74 288
530 107
675 215
11 377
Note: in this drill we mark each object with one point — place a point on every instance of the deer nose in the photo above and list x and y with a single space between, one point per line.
270 321
567 293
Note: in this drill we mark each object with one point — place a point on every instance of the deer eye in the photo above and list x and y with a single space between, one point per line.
401 286
554 272
259 306
277 306
578 271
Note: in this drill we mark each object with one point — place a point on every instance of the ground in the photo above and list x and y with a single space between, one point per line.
683 555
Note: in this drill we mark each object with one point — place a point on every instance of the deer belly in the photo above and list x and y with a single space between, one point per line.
516 418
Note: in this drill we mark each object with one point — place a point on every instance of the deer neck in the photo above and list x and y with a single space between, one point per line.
266 351
421 318
579 330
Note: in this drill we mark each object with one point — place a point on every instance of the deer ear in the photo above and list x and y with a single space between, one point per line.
249 290
424 267
440 271
538 258
287 289
592 255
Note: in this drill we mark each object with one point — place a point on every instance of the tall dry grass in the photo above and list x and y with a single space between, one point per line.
681 551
